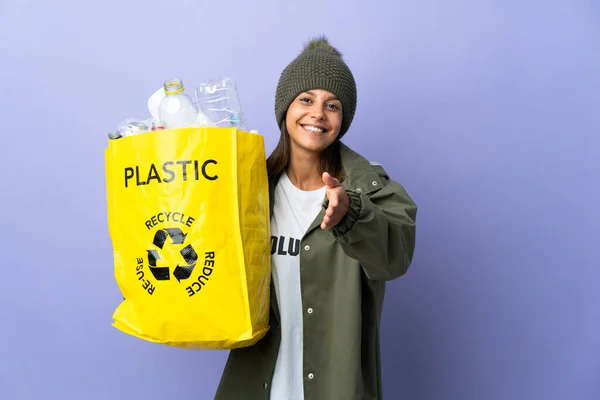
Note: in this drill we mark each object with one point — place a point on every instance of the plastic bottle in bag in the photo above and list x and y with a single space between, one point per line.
176 109
219 100
129 127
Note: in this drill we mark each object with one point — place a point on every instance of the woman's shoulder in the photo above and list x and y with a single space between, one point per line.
362 174
356 164
370 177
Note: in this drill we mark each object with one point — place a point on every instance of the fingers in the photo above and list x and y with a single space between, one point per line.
329 221
334 199
329 180
331 218
338 207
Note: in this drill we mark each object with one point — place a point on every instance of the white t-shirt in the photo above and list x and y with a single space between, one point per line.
293 212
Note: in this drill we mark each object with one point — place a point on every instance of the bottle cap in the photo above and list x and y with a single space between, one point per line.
173 86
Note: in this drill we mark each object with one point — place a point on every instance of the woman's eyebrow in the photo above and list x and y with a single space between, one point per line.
310 92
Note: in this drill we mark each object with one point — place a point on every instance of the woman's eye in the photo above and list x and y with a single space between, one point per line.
333 106
305 100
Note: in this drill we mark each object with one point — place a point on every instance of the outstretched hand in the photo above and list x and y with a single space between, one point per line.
339 202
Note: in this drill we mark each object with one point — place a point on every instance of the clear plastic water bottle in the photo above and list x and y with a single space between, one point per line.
236 120
219 100
176 109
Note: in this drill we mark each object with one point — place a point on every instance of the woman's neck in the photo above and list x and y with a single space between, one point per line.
303 170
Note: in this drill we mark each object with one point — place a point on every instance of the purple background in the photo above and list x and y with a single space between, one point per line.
487 112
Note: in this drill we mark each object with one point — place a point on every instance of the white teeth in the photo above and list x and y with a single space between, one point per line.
313 128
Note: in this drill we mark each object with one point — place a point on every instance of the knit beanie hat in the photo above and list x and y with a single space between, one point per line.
318 66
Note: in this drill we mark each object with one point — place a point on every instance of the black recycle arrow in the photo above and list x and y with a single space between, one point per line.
190 257
160 273
188 253
160 237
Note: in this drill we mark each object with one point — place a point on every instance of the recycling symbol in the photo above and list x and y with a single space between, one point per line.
188 253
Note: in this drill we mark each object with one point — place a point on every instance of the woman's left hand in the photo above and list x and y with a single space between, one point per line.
339 202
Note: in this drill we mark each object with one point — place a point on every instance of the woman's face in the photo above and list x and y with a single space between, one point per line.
313 120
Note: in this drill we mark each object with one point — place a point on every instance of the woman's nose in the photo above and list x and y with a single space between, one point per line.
318 113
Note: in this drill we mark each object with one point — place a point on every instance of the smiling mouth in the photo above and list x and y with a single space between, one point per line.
315 129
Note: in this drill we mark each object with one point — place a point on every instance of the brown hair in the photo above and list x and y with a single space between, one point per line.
331 158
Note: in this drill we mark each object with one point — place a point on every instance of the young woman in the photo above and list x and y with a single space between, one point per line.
340 229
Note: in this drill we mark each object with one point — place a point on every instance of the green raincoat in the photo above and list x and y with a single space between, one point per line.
343 276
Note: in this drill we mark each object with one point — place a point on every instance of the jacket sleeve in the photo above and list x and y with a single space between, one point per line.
379 230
